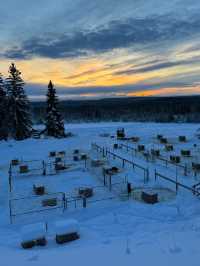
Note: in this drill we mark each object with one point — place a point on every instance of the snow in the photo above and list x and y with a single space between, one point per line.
33 232
114 231
66 227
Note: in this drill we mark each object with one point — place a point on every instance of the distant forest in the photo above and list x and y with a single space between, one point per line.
157 109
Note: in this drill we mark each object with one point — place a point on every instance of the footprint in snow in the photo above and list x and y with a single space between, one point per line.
175 249
34 258
106 242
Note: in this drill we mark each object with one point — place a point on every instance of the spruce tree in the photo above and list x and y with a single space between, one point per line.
20 125
54 121
3 111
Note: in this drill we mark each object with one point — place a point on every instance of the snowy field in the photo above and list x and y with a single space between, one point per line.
114 229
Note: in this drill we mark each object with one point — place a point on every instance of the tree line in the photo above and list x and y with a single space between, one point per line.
15 109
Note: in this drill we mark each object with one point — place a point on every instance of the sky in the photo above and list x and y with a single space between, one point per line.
103 48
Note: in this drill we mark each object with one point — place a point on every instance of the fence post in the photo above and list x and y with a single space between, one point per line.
11 221
110 182
155 175
103 152
129 189
176 187
185 170
104 178
64 202
84 202
123 163
44 167
176 183
147 175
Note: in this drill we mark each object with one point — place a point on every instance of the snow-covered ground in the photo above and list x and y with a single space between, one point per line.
113 231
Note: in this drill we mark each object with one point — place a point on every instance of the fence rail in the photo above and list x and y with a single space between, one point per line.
105 152
177 183
161 158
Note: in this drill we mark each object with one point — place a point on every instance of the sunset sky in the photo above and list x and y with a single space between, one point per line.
103 48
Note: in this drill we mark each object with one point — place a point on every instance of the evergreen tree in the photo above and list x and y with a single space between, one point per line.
20 125
54 121
3 111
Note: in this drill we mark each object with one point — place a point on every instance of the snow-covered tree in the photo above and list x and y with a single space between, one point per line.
3 110
54 121
20 125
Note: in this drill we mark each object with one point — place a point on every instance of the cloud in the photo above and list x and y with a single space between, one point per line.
115 35
158 66
37 90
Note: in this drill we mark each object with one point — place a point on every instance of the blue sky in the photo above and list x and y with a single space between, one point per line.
110 48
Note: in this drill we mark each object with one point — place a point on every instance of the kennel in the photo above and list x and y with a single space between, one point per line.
159 136
39 189
23 169
66 231
169 147
150 198
196 166
83 156
97 163
135 139
60 166
61 153
120 133
141 148
163 140
155 152
85 192
115 146
58 159
52 154
15 162
76 158
185 152
33 235
175 159
182 138
49 202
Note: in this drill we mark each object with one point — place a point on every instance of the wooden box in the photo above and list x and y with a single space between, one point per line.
163 140
149 198
76 158
61 239
121 133
52 154
186 153
41 242
58 159
155 152
115 146
28 244
182 138
85 192
159 137
141 148
39 190
15 162
23 169
175 159
61 153
83 156
196 166
49 202
135 139
60 167
97 163
169 147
